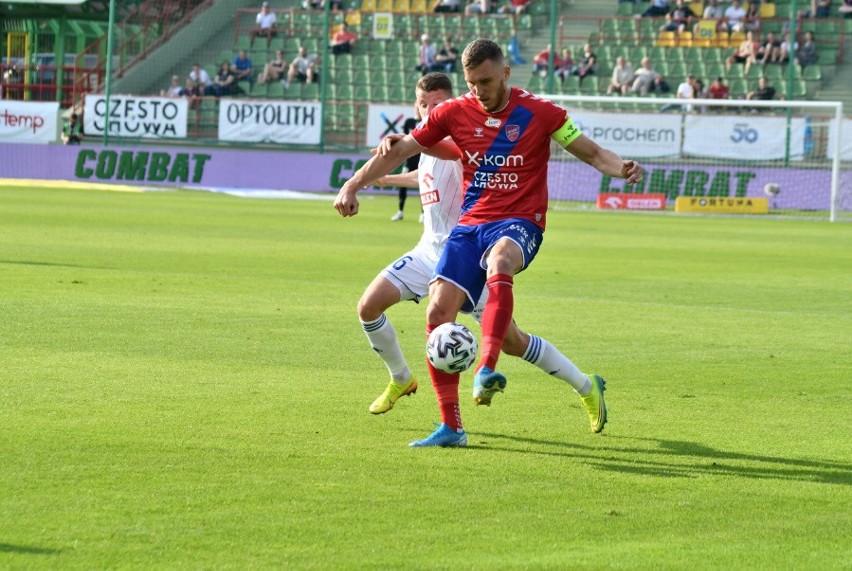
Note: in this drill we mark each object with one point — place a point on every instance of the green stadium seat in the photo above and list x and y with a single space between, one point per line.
625 9
378 93
310 91
812 73
398 94
361 77
361 93
343 92
275 89
343 77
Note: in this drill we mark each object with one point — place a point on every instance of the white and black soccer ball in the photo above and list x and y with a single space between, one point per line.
451 347
771 189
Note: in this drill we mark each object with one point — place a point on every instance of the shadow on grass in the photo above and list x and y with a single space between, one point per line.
45 264
674 458
9 548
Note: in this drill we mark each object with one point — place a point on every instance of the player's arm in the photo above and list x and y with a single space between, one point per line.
445 150
346 202
575 142
406 179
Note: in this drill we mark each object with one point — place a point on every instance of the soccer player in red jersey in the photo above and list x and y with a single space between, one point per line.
504 134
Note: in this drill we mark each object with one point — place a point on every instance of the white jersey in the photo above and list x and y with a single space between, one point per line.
441 197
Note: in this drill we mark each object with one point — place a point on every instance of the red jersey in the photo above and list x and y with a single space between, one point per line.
504 154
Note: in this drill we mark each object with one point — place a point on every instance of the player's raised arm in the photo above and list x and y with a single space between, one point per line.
346 202
445 150
572 140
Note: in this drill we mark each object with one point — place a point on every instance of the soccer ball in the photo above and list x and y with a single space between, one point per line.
451 347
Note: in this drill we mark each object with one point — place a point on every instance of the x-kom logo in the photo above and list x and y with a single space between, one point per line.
479 159
391 124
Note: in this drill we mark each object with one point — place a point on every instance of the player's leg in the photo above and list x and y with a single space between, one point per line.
513 245
405 279
549 359
402 193
445 301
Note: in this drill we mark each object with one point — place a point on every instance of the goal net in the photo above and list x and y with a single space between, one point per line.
708 153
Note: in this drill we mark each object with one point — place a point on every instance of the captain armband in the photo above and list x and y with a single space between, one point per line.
566 134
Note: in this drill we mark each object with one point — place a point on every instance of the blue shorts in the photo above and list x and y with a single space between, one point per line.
462 262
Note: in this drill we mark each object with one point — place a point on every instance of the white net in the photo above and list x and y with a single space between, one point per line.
784 152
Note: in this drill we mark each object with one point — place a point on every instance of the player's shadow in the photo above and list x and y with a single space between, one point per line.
673 458
26 549
47 264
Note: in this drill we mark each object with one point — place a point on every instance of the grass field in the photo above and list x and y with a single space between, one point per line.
184 384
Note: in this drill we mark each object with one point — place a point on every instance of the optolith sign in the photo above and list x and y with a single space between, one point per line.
614 201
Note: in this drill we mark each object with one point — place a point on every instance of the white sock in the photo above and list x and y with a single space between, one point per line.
382 337
548 358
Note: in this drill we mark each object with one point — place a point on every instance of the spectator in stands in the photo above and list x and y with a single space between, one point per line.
678 18
588 65
445 60
343 40
744 53
517 7
303 68
764 92
818 9
446 6
12 80
566 65
428 55
807 54
712 11
655 9
622 77
541 62
274 69
845 9
686 90
752 17
477 7
199 82
735 17
718 89
175 89
225 81
335 5
266 22
72 131
242 67
769 51
786 48
644 78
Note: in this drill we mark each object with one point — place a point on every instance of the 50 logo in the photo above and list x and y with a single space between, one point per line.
742 132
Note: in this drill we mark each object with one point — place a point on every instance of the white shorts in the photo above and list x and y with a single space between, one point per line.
411 274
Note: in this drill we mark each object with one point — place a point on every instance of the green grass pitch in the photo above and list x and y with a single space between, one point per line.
184 384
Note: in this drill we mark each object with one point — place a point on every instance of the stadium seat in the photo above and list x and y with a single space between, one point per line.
361 77
378 93
812 73
343 93
419 6
401 6
666 39
275 89
310 91
368 5
361 93
398 94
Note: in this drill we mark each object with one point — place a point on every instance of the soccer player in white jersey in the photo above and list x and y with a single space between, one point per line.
407 278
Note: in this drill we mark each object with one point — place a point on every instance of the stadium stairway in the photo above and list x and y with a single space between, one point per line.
838 87
201 41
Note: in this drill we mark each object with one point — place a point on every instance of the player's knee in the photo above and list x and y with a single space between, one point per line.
368 309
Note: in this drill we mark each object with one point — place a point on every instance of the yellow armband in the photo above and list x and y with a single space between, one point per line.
566 134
